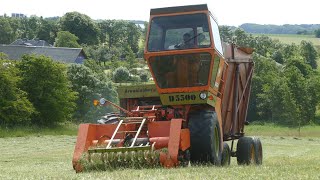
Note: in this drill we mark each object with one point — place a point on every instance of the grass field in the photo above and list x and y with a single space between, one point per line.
295 38
62 129
286 156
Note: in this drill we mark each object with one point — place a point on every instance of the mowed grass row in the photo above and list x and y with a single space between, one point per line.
49 157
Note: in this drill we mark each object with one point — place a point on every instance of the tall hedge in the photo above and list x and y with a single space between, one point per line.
48 89
15 108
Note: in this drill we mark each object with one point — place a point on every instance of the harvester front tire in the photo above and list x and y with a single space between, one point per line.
109 118
226 155
246 153
258 151
204 137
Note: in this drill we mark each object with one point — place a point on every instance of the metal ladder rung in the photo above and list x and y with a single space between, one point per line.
114 134
138 132
127 131
132 122
133 118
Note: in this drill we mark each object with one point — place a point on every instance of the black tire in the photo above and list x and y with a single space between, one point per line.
258 151
109 118
245 151
226 155
204 137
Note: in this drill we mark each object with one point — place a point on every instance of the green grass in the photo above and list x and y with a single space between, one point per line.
276 130
294 38
49 157
61 129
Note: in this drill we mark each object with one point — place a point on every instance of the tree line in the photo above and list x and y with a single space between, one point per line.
40 91
286 83
36 96
281 29
74 30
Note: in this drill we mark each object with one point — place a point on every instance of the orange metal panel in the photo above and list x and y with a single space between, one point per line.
159 129
174 140
86 134
227 100
160 142
184 139
171 159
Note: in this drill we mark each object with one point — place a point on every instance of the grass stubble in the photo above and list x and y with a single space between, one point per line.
286 156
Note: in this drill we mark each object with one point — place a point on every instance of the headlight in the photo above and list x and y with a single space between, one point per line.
203 95
102 101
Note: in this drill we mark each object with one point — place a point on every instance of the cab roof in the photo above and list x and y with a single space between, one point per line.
178 9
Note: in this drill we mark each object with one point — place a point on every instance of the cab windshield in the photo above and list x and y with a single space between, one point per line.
175 71
179 32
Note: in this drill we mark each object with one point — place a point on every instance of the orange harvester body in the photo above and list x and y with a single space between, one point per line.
202 95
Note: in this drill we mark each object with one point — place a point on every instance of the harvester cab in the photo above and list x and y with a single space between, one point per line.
204 88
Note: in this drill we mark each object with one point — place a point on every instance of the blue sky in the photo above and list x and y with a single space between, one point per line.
228 12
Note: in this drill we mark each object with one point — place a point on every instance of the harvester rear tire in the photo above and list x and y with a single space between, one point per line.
226 155
258 151
246 151
205 137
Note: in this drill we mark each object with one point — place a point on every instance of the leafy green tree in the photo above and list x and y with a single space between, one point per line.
121 74
266 71
119 32
47 30
298 62
66 39
290 51
144 32
298 88
6 32
17 28
115 32
129 55
226 34
133 36
263 45
84 82
33 26
144 76
29 27
313 95
15 108
278 57
309 53
48 89
241 38
103 54
283 105
317 33
284 84
3 56
82 26
90 86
